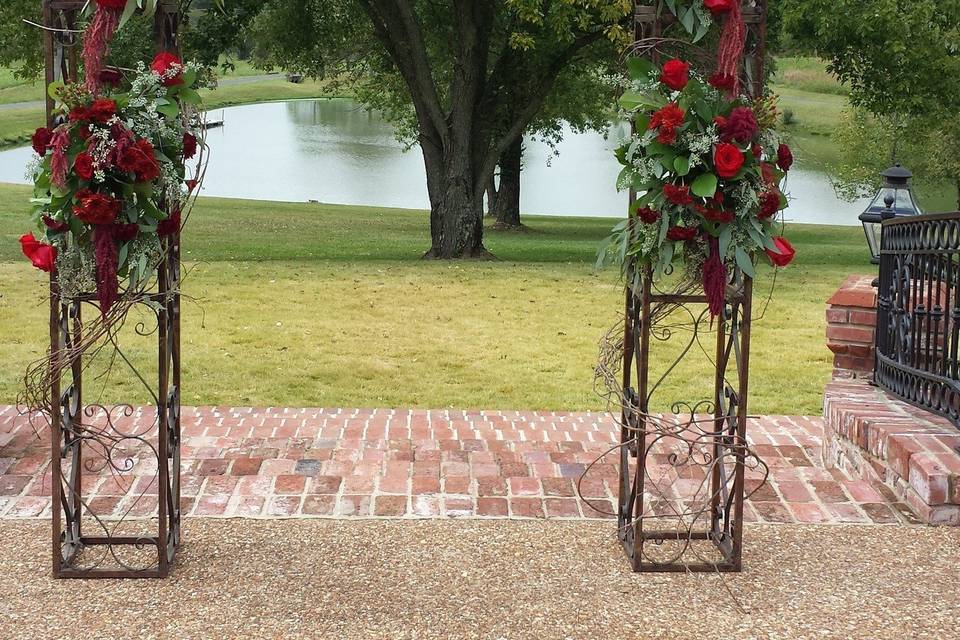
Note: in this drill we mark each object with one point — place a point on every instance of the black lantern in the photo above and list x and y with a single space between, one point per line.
895 199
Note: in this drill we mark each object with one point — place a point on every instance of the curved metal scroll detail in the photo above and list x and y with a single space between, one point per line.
682 474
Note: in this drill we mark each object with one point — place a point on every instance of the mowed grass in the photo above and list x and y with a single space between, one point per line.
307 305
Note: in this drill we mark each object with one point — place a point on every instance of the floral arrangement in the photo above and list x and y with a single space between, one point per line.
707 166
110 180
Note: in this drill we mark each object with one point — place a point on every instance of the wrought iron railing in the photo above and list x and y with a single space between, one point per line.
918 321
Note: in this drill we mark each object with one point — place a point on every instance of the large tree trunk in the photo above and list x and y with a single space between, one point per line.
507 209
456 207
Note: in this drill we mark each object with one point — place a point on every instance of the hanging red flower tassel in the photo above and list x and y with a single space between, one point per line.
97 38
714 278
106 257
730 50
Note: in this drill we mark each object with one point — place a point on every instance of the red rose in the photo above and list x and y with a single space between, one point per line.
728 160
681 233
83 166
102 110
718 7
785 254
169 68
784 158
678 194
138 158
769 204
676 74
722 81
41 255
96 208
41 140
112 4
648 215
741 126
189 145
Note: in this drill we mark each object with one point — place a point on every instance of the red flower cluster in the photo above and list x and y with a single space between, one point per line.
784 158
722 81
769 204
189 145
678 194
728 160
648 215
676 74
163 63
41 140
138 158
41 255
96 208
718 7
666 121
714 211
681 233
785 252
740 126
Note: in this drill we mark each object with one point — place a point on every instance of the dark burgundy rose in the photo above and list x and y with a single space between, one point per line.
41 140
83 166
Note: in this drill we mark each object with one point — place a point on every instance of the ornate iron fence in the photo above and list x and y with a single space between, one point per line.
918 321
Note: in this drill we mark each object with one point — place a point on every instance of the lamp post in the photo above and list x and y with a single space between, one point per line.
894 200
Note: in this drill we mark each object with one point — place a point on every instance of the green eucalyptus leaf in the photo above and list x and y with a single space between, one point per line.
744 262
725 237
705 185
638 68
682 165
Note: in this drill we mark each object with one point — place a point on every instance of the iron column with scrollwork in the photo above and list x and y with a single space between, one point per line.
91 443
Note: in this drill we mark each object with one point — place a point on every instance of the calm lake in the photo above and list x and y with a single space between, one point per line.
333 151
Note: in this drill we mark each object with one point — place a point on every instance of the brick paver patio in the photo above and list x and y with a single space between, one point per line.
413 463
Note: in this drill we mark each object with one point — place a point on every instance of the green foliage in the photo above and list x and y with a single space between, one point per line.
897 57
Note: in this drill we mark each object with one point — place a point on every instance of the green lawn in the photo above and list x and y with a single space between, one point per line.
300 304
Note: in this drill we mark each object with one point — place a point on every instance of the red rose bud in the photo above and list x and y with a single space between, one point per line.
189 145
719 7
676 74
785 252
681 233
722 81
784 158
677 194
41 255
83 166
169 68
728 160
648 215
41 140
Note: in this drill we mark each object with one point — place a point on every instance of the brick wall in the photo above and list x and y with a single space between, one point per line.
851 327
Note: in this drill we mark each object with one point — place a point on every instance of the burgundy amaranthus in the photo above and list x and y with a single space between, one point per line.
714 278
106 256
97 38
59 165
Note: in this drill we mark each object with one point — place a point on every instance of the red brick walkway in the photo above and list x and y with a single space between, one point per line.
399 463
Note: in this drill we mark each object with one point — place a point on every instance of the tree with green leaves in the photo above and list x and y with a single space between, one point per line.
468 77
901 61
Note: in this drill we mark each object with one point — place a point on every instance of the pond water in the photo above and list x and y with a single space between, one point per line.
333 151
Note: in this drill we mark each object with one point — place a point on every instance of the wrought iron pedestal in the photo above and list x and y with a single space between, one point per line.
682 474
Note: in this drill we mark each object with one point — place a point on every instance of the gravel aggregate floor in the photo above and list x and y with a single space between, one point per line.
490 579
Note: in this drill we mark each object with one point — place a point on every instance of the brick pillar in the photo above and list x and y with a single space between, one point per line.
852 326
